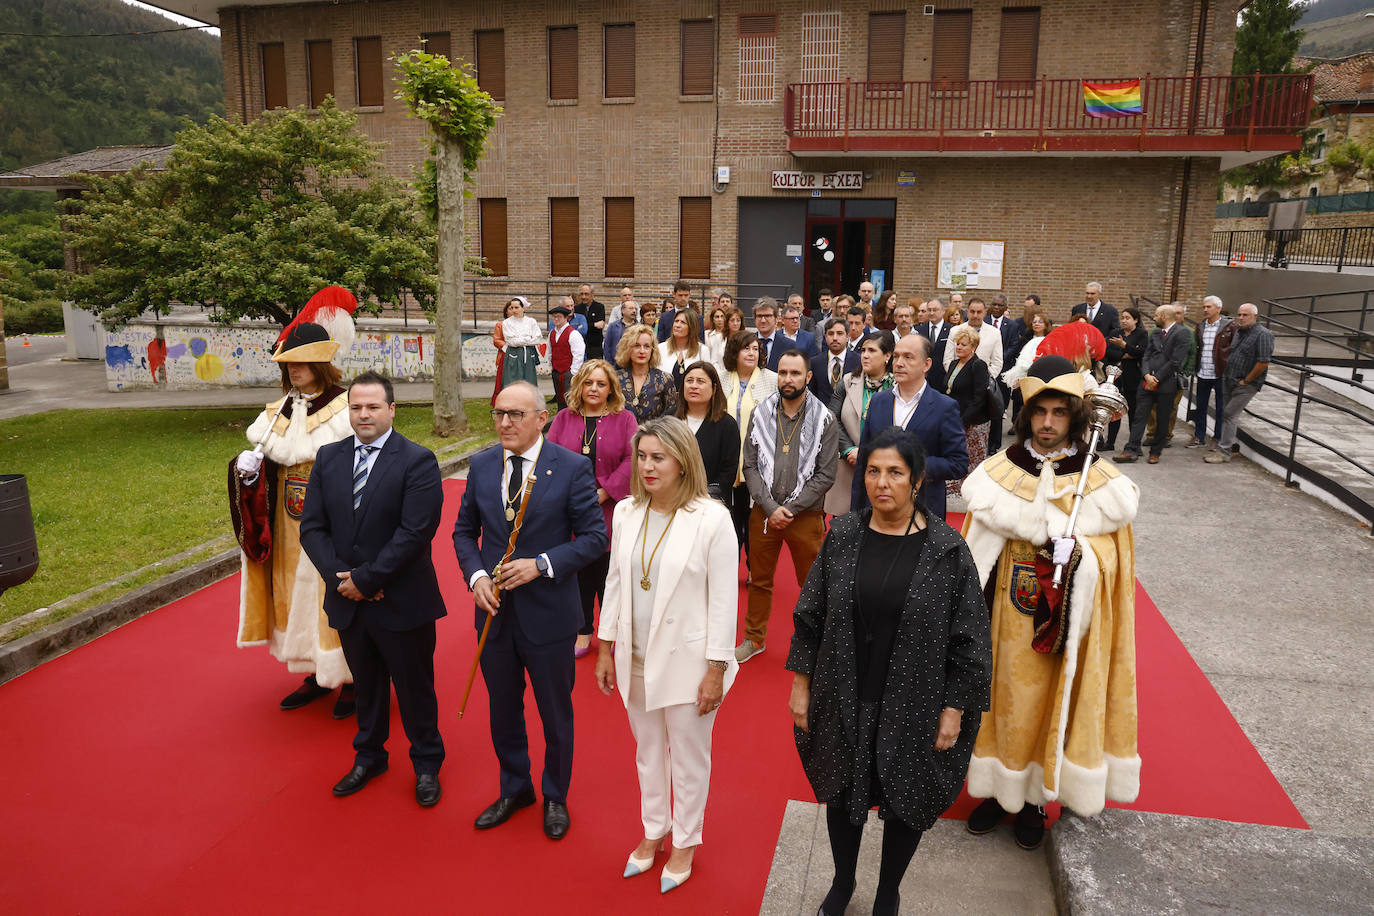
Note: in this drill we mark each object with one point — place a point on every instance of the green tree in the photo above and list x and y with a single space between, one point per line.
251 220
461 115
1266 40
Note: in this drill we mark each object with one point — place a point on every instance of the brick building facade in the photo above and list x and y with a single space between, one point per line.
1064 196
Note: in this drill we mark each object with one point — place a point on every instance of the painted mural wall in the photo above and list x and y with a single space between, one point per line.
180 354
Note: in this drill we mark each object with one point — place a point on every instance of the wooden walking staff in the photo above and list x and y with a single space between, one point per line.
496 579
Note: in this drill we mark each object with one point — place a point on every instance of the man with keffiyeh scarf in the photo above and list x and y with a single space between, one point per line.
789 464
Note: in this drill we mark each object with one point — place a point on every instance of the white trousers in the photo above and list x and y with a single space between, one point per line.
673 756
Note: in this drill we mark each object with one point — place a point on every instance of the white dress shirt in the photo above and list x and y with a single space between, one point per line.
376 448
902 409
531 458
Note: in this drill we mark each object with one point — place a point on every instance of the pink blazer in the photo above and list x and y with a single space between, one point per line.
614 439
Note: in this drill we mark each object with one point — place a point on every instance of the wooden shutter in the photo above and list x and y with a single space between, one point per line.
440 43
950 48
491 63
367 54
694 238
698 57
563 62
1019 41
758 24
273 75
619 61
493 239
563 237
319 62
886 46
620 236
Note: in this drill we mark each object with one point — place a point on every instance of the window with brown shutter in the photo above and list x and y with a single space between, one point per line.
273 75
367 56
619 61
698 57
1017 52
319 70
758 34
620 236
694 238
563 62
563 237
886 44
950 49
440 43
492 214
491 62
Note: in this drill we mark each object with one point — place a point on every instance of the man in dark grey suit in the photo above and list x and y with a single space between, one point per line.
1159 367
1102 316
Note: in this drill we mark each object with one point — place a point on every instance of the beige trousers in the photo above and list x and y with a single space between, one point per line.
673 756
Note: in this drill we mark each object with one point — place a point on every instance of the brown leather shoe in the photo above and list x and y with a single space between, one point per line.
1153 459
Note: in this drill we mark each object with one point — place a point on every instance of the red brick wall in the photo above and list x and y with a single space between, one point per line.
1064 220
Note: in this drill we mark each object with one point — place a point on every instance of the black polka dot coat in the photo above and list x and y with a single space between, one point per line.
941 656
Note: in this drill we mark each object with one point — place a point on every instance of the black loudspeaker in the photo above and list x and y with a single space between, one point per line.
18 546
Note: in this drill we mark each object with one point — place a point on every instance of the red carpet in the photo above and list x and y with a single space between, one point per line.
151 772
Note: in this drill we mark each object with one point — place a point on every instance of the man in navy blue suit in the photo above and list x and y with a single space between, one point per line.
936 330
371 510
838 359
791 327
773 343
538 613
933 417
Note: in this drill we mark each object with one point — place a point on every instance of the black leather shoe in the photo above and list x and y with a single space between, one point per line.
556 821
346 704
307 692
1029 827
427 790
499 811
986 817
357 778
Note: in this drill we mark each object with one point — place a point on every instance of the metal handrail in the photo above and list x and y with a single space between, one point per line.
1339 247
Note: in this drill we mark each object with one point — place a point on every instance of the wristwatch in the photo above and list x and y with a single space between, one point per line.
542 565
716 663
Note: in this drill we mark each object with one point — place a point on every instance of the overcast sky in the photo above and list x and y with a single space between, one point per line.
180 20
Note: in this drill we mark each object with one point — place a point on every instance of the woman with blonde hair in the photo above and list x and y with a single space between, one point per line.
648 390
596 424
667 633
746 384
683 346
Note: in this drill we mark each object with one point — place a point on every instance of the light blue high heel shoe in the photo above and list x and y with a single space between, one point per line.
637 866
669 881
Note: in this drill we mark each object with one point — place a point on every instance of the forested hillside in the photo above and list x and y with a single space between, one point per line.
1337 28
65 95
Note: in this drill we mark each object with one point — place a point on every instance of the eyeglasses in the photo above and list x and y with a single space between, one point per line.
515 416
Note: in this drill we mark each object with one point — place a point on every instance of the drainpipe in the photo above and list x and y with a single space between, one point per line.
1197 64
243 79
1180 228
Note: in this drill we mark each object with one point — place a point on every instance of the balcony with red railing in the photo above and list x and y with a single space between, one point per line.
1237 118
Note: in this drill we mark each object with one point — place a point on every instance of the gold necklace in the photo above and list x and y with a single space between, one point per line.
588 440
787 440
644 581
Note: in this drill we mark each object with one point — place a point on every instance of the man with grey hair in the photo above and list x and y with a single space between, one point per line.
629 315
1189 367
792 327
1213 342
805 321
1163 359
1102 316
1246 366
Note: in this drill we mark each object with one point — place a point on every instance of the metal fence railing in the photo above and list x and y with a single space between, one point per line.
1346 246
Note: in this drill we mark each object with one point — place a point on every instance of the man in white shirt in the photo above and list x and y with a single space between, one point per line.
1208 371
567 350
989 339
905 317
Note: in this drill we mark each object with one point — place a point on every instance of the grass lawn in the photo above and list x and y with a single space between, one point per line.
116 490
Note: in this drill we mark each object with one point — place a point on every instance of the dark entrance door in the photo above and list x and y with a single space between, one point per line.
847 241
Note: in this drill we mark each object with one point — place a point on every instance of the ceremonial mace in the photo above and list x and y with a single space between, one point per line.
496 578
257 449
1107 402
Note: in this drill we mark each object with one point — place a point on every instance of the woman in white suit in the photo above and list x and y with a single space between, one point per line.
667 636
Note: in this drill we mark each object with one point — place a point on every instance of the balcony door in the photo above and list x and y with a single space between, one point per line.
848 242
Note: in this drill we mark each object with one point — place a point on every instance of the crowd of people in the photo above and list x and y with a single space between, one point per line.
924 658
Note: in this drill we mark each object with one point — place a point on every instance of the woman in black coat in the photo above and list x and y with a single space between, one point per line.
1132 343
967 381
891 646
702 405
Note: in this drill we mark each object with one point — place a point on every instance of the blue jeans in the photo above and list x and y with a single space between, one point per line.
1206 387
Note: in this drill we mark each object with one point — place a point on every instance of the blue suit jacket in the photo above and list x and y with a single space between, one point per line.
936 423
385 542
809 342
820 373
936 375
563 521
779 345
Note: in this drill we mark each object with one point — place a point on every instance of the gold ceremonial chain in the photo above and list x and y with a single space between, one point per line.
644 581
512 501
787 440
588 440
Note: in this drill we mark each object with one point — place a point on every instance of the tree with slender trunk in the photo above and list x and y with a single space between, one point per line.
461 116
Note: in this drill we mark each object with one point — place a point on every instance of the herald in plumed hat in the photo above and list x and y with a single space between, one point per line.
321 330
1052 373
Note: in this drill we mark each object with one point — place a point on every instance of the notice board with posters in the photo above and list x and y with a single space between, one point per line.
969 263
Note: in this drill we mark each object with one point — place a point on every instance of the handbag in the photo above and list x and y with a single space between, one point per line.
994 404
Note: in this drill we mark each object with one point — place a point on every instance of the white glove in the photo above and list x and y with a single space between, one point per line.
1063 550
248 464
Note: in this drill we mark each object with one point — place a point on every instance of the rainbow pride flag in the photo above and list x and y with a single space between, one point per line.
1112 100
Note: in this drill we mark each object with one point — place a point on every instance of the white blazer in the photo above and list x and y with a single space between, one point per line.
696 601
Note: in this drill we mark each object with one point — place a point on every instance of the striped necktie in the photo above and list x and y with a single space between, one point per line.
360 473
